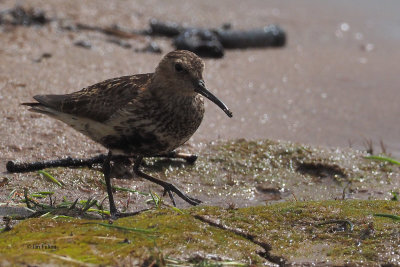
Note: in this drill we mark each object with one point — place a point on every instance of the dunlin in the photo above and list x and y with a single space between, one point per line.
140 115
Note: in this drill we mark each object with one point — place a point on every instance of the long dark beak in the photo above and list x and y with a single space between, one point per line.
201 89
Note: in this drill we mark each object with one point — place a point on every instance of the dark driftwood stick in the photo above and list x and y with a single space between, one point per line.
269 36
205 40
14 167
67 162
169 29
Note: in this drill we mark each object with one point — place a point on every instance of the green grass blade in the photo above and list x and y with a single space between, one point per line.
173 208
46 214
38 196
380 158
139 230
177 210
11 193
62 216
155 199
232 263
105 212
385 215
42 194
126 189
50 178
45 193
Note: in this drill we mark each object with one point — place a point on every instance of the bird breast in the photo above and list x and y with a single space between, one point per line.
180 119
154 127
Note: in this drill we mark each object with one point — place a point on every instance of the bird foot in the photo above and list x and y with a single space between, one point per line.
169 188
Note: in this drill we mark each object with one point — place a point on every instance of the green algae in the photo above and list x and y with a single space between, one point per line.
177 235
291 230
229 174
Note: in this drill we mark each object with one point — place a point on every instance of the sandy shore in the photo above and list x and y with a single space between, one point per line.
334 84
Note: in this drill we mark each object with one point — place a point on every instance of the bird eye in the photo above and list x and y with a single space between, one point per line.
178 67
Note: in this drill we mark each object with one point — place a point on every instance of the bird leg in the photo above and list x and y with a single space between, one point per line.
105 160
106 172
168 187
190 158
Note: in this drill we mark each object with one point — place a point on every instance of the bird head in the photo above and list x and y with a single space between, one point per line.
181 72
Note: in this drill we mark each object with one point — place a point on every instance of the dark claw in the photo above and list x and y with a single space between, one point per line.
172 198
115 215
172 188
73 204
196 200
191 159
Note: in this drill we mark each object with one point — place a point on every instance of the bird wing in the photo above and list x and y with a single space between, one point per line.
99 101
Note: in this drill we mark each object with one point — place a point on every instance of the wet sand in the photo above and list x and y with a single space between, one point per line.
334 84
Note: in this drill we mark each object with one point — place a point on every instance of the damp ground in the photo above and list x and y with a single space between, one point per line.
266 202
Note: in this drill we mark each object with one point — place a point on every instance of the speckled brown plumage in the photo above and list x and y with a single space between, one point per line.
139 115
143 114
98 101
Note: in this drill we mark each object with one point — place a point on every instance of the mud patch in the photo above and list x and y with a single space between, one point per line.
321 170
269 191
